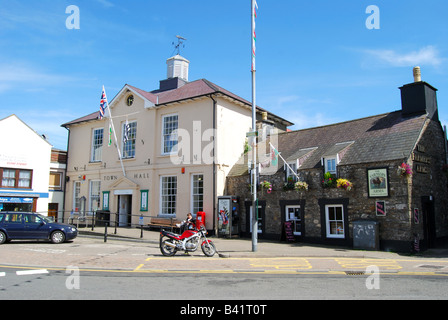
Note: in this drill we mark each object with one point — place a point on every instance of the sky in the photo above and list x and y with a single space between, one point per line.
318 62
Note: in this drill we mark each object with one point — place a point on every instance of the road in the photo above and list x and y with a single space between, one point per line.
87 269
107 285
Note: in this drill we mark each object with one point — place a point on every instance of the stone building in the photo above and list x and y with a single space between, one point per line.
408 210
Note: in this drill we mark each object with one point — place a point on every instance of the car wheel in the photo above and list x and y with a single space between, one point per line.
2 237
57 237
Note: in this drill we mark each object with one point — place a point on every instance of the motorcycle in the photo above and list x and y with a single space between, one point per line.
188 241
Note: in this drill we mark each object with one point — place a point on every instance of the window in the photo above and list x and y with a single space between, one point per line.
76 197
95 195
97 145
330 165
13 218
15 178
197 193
129 138
334 215
55 181
31 218
168 194
169 134
291 175
293 214
9 178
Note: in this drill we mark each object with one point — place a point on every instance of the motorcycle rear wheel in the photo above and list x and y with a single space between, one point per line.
167 250
209 250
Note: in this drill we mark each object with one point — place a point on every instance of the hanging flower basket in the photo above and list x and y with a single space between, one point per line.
301 186
344 184
266 185
404 170
329 181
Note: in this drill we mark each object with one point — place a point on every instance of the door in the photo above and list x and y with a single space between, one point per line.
53 211
124 210
261 218
294 214
13 223
34 227
429 221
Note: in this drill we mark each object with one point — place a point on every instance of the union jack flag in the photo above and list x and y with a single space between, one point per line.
103 104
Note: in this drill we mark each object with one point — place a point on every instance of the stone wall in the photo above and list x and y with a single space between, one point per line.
397 228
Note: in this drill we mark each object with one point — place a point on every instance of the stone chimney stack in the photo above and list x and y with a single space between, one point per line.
419 98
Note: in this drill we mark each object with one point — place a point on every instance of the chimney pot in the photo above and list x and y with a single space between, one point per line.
417 74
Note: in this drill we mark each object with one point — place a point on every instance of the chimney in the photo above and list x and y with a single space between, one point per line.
419 98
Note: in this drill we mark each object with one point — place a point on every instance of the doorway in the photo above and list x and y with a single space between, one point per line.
429 221
261 218
53 211
124 210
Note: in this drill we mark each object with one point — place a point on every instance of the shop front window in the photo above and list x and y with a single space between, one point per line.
293 214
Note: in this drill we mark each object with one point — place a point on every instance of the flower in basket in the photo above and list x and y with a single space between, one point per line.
301 186
404 170
266 185
329 180
344 184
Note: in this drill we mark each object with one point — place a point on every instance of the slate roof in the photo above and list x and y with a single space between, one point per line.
383 137
189 90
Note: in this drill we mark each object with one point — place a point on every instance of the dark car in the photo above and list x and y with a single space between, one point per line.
27 226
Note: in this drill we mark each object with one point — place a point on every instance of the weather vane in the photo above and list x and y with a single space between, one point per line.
180 43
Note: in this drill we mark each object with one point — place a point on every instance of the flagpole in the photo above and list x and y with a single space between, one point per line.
286 163
254 129
115 134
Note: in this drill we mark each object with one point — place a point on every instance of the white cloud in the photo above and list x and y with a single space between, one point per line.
13 75
304 120
428 55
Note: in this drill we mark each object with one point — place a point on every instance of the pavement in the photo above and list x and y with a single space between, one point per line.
135 250
241 247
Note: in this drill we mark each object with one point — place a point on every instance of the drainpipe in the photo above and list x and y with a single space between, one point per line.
65 175
214 164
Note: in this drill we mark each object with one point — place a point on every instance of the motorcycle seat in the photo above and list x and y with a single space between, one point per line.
169 233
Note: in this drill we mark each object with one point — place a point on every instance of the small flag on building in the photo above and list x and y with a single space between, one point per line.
127 132
103 104
274 156
110 135
254 34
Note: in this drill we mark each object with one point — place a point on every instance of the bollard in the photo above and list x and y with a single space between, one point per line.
105 232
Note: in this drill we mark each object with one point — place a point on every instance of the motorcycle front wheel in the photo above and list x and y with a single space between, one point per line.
166 249
209 249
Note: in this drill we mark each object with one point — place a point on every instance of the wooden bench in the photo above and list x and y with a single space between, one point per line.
164 222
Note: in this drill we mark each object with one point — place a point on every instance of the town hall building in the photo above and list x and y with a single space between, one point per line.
161 153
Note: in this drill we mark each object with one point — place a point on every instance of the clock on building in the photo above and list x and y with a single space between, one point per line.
130 100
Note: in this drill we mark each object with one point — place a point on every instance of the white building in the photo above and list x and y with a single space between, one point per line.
182 139
24 167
